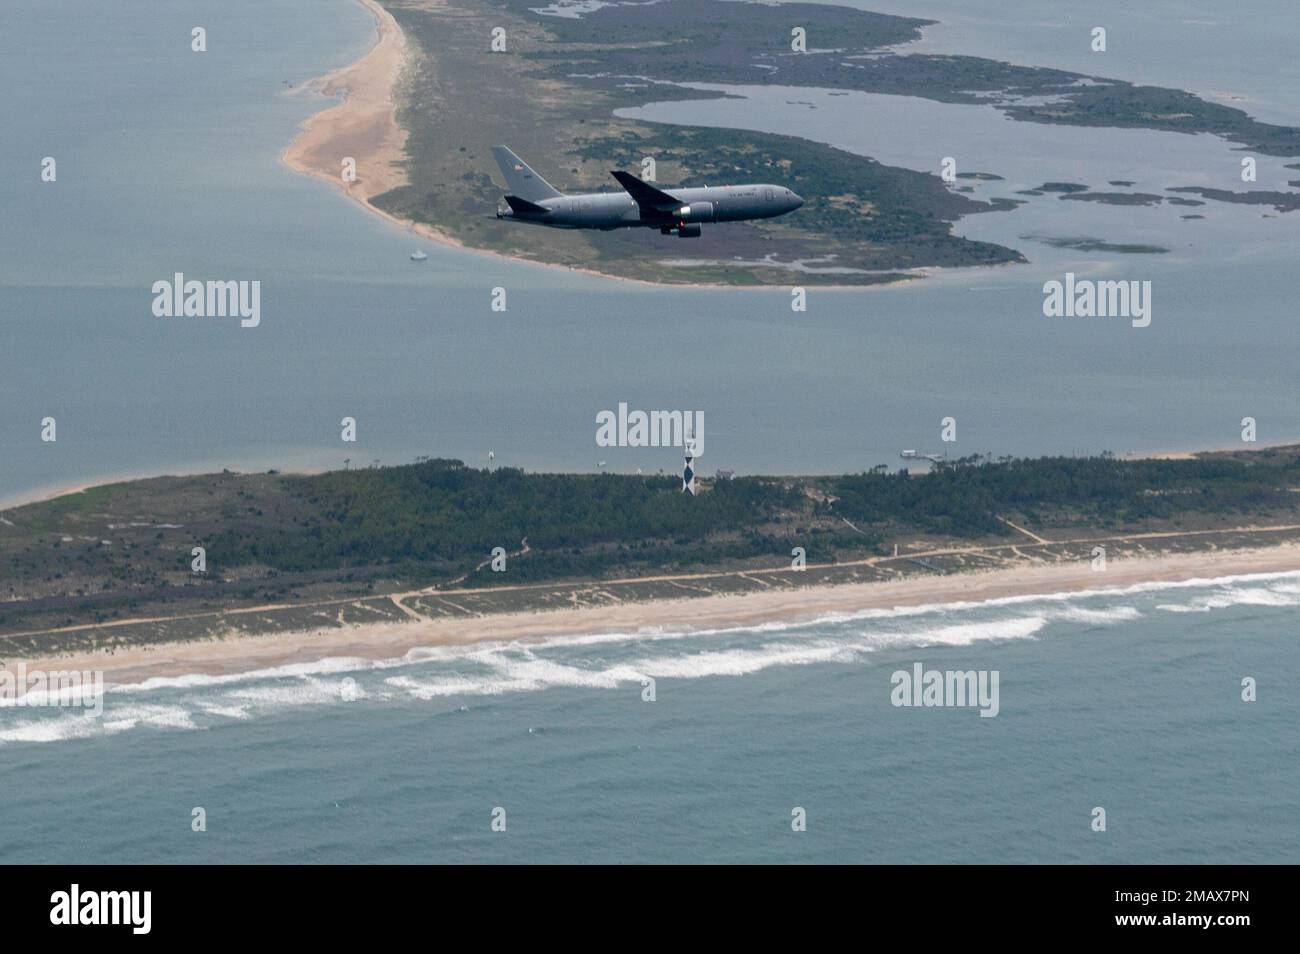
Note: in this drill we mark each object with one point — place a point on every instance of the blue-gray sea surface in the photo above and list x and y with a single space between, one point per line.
169 161
1129 700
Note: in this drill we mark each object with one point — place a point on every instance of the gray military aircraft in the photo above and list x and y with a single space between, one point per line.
533 199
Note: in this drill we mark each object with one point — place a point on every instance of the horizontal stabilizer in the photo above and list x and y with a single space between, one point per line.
647 196
523 205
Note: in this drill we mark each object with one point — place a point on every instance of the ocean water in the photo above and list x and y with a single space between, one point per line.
918 133
1128 700
1239 56
168 161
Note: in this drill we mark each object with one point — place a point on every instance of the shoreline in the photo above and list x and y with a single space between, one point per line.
369 105
49 492
364 125
393 641
53 492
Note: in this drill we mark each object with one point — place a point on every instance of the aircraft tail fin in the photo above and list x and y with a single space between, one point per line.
522 180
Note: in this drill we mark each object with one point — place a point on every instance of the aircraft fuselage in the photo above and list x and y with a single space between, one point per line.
640 205
617 210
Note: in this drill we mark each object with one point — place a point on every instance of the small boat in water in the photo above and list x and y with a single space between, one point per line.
418 256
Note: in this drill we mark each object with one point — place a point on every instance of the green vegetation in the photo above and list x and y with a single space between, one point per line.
1281 201
705 41
1118 104
447 518
1084 244
444 514
965 498
863 222
1116 198
902 218
553 95
330 549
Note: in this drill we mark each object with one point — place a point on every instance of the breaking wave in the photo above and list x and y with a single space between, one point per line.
608 661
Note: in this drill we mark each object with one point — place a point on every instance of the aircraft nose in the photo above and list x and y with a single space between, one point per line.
797 199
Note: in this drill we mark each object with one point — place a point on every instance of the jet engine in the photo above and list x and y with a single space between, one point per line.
696 212
688 231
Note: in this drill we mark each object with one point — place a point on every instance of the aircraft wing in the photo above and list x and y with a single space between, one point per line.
647 196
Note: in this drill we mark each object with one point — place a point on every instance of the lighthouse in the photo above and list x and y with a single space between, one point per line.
688 469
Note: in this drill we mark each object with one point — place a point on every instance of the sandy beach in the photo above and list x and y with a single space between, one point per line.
394 640
364 127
